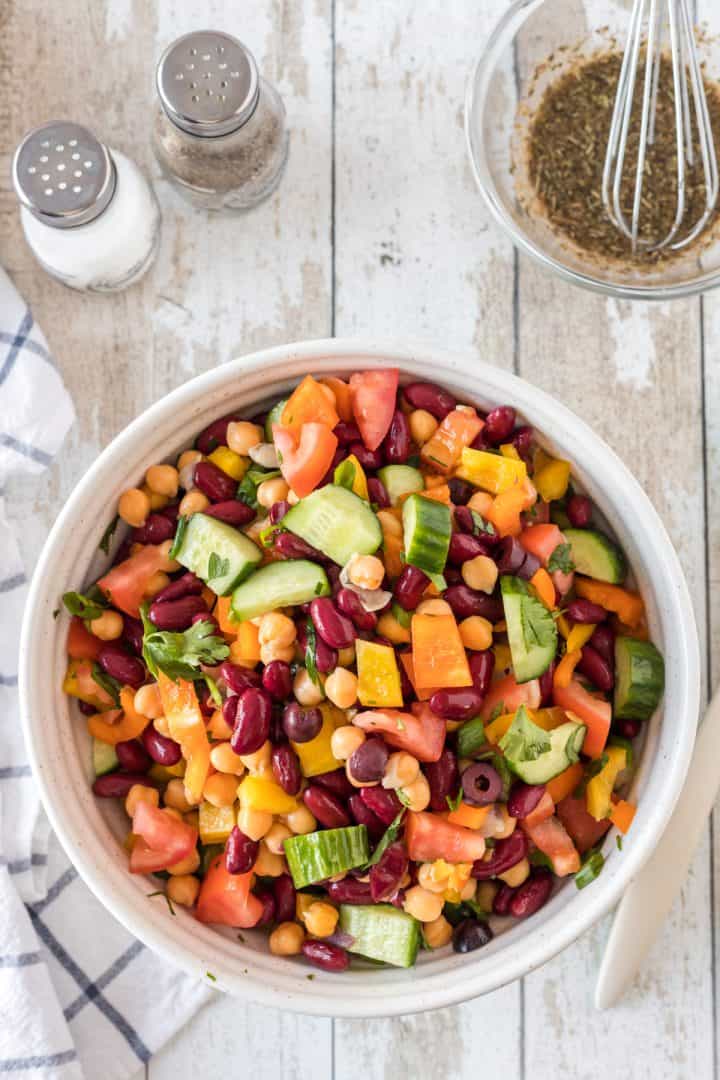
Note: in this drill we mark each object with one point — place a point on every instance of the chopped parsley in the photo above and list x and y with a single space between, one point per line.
591 868
251 481
179 536
181 655
310 653
107 683
388 837
107 536
561 559
86 606
454 804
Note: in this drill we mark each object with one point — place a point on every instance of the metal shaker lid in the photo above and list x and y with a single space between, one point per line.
208 83
63 174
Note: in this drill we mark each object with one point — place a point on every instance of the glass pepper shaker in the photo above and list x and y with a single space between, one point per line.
88 213
219 133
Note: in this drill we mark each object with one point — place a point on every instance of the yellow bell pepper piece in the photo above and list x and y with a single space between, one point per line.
231 463
503 657
316 756
262 793
563 626
165 773
378 676
509 451
215 823
79 683
547 719
359 485
187 727
579 635
245 649
600 788
552 480
491 472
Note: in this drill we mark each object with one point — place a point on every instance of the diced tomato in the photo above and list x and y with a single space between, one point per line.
164 841
225 899
510 695
544 809
81 644
308 404
551 837
420 732
582 827
304 463
373 402
126 583
429 837
541 541
594 712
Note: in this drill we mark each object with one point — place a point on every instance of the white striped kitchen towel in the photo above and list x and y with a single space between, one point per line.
79 996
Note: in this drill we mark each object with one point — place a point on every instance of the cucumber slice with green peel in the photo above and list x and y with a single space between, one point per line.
531 630
280 584
104 758
218 553
639 679
337 522
596 556
471 737
273 417
536 755
399 480
320 855
403 617
381 932
427 526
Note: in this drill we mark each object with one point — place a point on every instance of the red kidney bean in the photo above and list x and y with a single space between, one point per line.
349 604
460 491
284 891
335 781
347 432
465 601
277 680
161 748
325 658
579 511
406 687
157 528
252 721
267 900
512 558
388 872
290 546
480 442
456 704
532 894
120 665
410 586
481 784
584 611
499 424
524 798
369 459
326 807
187 585
482 665
596 669
471 934
277 731
383 803
117 784
432 398
464 547
233 512
87 710
213 482
335 629
171 511
286 769
629 729
506 854
176 614
367 763
214 435
349 891
301 724
603 642
240 852
327 957
133 633
238 678
396 444
363 815
229 709
466 524
278 510
377 493
443 778
133 756
503 897
522 441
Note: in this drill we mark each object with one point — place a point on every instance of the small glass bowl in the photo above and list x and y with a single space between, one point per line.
506 84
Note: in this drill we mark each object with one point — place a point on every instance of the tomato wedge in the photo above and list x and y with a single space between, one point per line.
428 837
163 840
308 404
373 402
125 584
594 712
582 827
81 644
550 836
304 463
421 734
225 899
541 541
544 809
510 695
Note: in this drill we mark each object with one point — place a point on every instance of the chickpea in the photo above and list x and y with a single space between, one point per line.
238 657
469 889
108 626
430 880
140 793
162 727
186 468
157 501
389 523
258 762
268 864
276 838
437 933
341 688
434 606
423 426
481 502
225 760
254 823
366 571
388 627
401 770
506 825
276 627
163 479
345 740
157 583
476 633
193 503
272 491
272 651
516 874
219 728
424 906
183 890
303 901
480 573
134 507
175 796
300 821
321 919
417 794
286 939
242 436
220 789
346 657
188 865
169 565
147 701
305 690
188 457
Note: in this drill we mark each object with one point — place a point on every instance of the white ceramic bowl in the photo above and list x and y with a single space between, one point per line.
59 746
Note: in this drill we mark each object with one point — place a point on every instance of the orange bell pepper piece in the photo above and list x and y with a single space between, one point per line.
81 644
456 431
439 657
507 507
622 815
627 605
222 611
542 583
102 726
187 727
343 396
565 782
423 693
309 404
564 671
472 817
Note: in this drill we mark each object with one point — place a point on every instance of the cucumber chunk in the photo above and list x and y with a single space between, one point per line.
381 932
104 758
320 855
273 417
337 522
536 755
596 556
427 527
399 480
220 555
471 737
639 679
531 630
280 584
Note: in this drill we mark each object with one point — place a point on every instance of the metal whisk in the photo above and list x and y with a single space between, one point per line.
651 21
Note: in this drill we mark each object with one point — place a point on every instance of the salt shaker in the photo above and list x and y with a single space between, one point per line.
88 213
219 132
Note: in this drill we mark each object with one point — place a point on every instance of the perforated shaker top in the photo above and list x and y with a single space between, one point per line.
208 83
63 174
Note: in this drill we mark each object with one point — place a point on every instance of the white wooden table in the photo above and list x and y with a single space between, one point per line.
377 229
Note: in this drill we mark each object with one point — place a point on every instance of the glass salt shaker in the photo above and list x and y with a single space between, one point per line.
219 133
89 215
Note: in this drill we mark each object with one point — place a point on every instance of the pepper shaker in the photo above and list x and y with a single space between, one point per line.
88 213
219 132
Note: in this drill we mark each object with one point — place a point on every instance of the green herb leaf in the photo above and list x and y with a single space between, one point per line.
561 559
388 837
217 567
180 655
161 892
209 974
267 535
214 692
590 869
414 461
251 481
539 858
107 536
86 606
109 685
310 647
524 740
480 525
179 536
344 475
454 804
402 797
619 841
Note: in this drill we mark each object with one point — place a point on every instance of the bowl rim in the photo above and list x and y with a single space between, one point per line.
476 91
392 992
